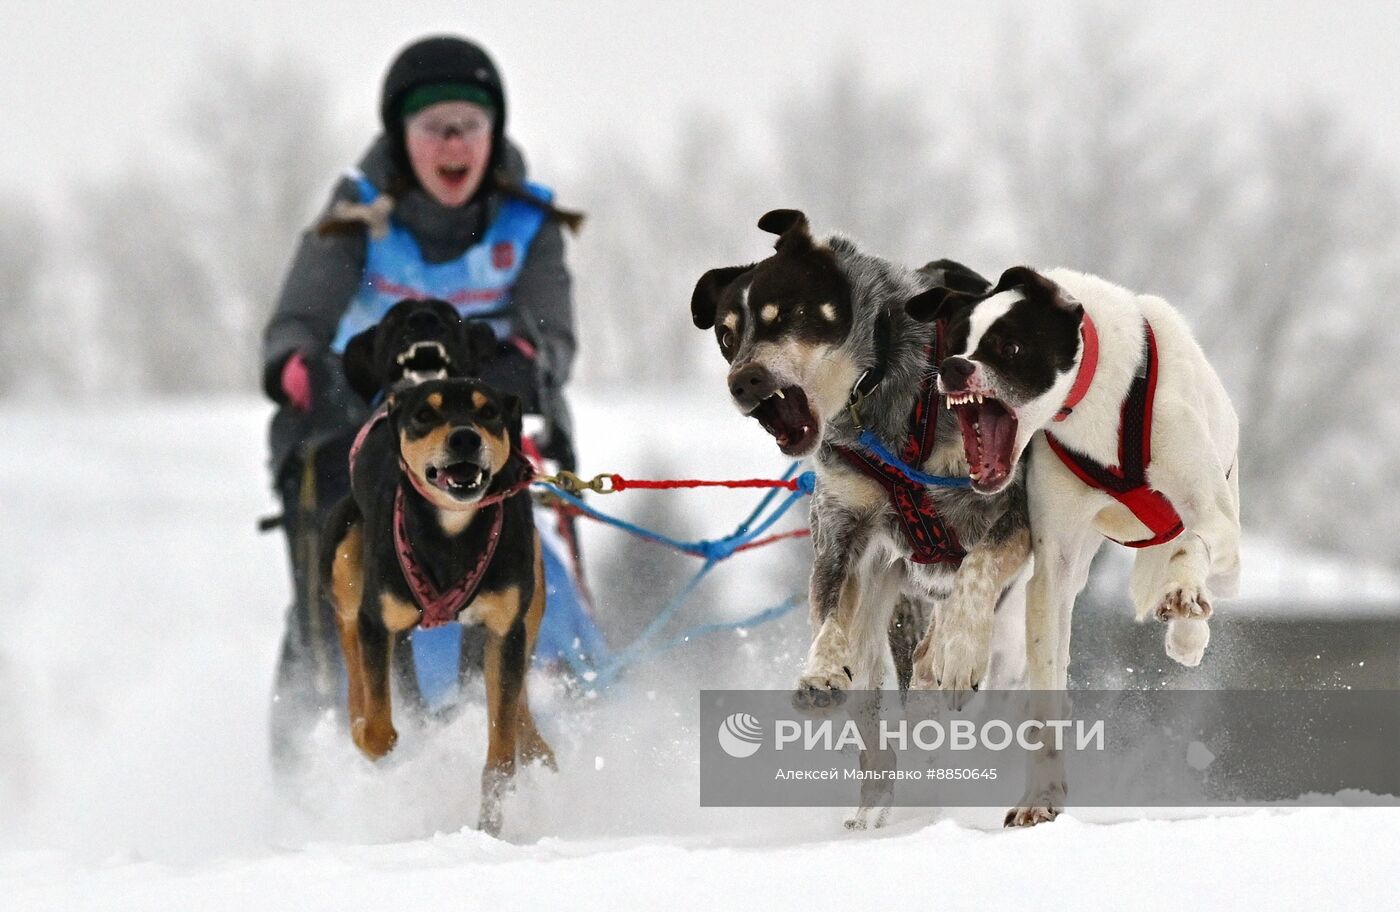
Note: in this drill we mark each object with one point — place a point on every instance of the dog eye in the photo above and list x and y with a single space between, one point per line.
425 415
488 412
1010 349
726 339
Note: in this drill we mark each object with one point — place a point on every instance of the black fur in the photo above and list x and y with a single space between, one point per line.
377 477
954 276
1028 347
705 299
797 280
370 358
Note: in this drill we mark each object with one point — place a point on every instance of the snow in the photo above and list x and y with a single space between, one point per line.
1276 574
140 629
1289 860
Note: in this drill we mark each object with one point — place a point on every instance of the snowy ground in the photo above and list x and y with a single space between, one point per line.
135 664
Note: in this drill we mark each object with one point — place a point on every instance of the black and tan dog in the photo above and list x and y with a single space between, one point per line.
438 528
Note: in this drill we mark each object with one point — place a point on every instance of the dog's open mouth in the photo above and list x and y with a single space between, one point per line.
424 361
787 416
989 435
461 480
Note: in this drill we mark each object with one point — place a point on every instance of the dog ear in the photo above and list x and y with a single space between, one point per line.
1036 287
954 275
481 344
790 225
357 362
513 409
705 299
938 303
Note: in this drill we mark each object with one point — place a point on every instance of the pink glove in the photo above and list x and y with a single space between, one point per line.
296 382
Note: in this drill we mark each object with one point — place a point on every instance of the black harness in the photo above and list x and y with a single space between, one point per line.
931 540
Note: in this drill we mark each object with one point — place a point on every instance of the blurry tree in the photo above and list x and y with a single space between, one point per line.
650 236
267 155
856 156
1100 157
875 163
1274 235
160 313
1309 296
22 253
187 252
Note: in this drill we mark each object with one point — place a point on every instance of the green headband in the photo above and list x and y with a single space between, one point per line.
427 95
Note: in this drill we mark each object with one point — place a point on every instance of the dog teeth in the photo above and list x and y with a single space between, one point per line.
967 398
779 394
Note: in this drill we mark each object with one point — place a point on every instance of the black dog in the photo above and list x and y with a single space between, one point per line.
416 341
438 528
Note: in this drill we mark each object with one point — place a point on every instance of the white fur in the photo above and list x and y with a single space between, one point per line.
987 313
1195 441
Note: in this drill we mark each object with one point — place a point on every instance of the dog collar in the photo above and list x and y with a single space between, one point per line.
870 379
1088 366
440 607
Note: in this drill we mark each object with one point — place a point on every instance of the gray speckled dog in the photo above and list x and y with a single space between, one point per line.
809 332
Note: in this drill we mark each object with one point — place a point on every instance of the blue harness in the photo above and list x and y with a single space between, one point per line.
478 283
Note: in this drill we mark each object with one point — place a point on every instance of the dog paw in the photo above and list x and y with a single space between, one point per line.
1187 602
490 820
1186 640
1030 815
1042 800
822 689
955 663
1186 611
540 753
373 740
496 782
867 818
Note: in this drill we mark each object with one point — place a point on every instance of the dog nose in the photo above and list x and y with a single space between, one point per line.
955 371
424 321
750 385
464 442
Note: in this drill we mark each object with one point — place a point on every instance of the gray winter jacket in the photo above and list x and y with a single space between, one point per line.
326 272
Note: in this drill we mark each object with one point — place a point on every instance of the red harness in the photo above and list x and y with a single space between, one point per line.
1127 483
931 540
442 606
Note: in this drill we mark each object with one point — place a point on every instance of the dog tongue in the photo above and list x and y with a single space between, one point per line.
997 432
989 432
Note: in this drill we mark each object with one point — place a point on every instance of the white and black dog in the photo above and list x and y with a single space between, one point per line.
1128 434
809 332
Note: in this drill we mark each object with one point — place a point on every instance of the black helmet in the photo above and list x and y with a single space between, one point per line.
441 59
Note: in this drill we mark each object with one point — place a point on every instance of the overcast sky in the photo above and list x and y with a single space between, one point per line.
87 84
